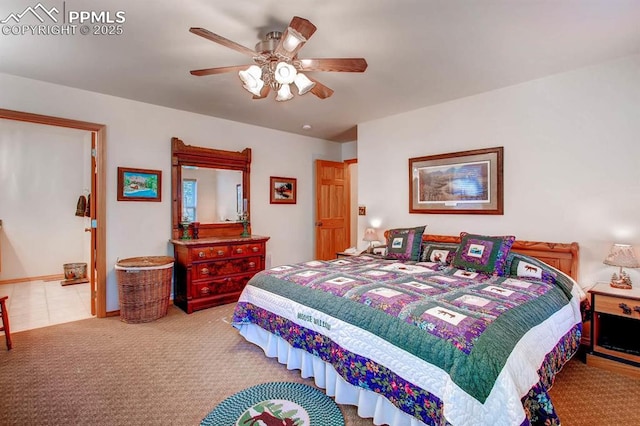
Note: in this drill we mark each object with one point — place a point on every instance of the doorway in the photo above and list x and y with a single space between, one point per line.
97 267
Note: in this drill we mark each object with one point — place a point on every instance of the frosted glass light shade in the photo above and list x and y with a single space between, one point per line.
251 79
303 83
285 73
284 94
292 40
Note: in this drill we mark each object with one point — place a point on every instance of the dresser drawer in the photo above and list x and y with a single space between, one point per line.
220 286
247 249
620 306
210 252
205 270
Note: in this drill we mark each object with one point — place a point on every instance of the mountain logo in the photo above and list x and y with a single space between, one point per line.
38 11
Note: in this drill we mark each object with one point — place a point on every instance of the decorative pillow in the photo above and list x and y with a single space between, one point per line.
482 253
522 266
404 243
438 252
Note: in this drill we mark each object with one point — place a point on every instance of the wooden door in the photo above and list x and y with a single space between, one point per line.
332 208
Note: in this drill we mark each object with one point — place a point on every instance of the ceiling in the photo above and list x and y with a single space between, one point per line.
420 52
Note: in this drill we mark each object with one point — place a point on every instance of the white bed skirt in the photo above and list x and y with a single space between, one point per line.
370 404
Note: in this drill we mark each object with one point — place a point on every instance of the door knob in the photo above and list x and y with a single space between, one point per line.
318 223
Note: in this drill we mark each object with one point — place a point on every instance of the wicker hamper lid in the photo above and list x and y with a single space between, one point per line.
145 262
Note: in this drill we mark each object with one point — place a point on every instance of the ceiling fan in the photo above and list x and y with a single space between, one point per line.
276 64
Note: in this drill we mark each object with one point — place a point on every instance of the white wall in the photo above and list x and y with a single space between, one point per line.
43 172
571 160
349 150
139 135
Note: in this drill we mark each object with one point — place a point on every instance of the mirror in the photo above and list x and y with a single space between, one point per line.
211 195
209 186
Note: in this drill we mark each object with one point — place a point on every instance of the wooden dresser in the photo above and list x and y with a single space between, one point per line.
213 271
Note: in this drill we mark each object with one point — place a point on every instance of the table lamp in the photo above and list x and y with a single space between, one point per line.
621 255
370 235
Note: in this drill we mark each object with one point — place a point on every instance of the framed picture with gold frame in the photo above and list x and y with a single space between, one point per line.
466 182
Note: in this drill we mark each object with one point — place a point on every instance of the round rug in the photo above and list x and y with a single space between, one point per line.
276 403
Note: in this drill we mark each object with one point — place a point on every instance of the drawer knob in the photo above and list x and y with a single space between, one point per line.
204 271
238 250
252 265
205 290
255 249
625 308
201 254
637 309
220 252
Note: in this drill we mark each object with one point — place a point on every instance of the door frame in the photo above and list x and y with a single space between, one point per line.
98 198
353 213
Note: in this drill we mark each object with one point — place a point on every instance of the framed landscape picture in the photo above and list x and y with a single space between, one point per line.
139 184
467 182
283 190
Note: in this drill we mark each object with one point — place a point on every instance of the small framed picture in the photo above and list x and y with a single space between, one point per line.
139 184
283 190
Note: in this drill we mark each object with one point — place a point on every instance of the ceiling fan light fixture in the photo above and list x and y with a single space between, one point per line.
251 79
277 65
284 93
285 73
292 40
303 84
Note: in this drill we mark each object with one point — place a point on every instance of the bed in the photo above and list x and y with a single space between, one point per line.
426 337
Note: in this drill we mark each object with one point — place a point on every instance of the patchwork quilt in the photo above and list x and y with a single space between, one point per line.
445 345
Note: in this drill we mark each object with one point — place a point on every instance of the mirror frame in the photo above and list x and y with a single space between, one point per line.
187 155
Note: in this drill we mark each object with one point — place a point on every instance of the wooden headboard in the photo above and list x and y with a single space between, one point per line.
562 256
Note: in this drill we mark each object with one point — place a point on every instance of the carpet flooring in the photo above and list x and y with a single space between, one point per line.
175 370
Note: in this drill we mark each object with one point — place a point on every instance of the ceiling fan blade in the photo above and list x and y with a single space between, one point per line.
219 70
320 90
224 41
334 64
294 37
303 26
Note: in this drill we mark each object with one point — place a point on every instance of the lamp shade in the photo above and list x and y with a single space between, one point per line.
622 255
285 73
284 93
292 40
251 79
303 84
370 234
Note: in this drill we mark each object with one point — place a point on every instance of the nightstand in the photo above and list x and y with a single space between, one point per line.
615 329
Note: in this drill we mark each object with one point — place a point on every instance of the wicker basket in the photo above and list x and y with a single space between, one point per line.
144 287
74 271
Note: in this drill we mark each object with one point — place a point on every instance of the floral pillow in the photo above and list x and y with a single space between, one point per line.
438 252
404 243
482 253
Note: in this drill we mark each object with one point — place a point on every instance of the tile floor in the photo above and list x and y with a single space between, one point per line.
38 304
